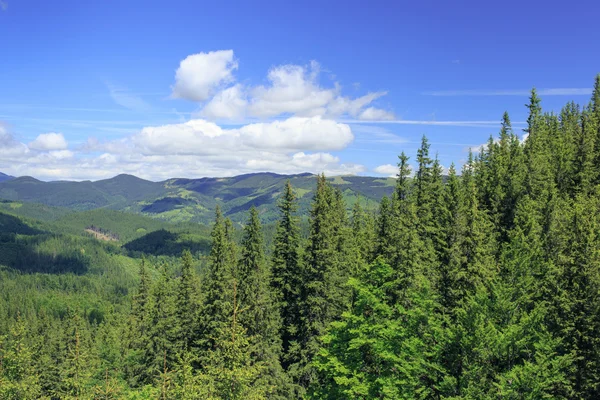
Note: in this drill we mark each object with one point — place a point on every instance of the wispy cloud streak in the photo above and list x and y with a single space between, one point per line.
474 124
129 100
24 107
541 92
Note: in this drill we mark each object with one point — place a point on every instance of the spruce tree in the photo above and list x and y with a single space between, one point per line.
138 330
453 222
216 284
76 370
577 313
407 244
324 296
229 371
385 245
186 303
260 317
286 278
363 233
161 347
594 125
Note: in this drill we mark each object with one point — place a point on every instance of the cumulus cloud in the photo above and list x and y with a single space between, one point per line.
290 90
387 169
228 104
294 89
199 74
49 141
203 137
298 133
45 157
192 149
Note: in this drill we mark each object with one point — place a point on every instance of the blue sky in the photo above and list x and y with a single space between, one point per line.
186 88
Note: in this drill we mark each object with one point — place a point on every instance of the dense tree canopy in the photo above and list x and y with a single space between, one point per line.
478 282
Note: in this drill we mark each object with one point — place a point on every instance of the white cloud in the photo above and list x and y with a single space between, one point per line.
376 114
292 90
49 141
387 169
228 104
61 154
301 162
192 149
356 107
199 74
202 137
10 148
298 134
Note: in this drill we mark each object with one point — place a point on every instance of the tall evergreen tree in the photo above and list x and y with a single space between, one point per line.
385 241
229 371
406 241
453 227
138 330
186 303
216 284
426 189
324 296
76 371
286 278
363 233
260 318
161 348
577 312
594 125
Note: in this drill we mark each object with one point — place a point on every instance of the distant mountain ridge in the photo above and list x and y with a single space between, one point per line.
184 199
4 177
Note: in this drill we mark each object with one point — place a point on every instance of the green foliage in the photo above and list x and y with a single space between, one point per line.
482 285
324 274
380 349
18 377
230 370
260 317
286 279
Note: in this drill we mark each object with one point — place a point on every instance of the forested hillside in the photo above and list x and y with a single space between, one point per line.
189 200
484 284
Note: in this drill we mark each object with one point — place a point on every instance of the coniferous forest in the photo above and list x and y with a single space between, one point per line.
478 282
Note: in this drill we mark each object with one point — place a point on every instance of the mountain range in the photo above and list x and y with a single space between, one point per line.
181 200
4 177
